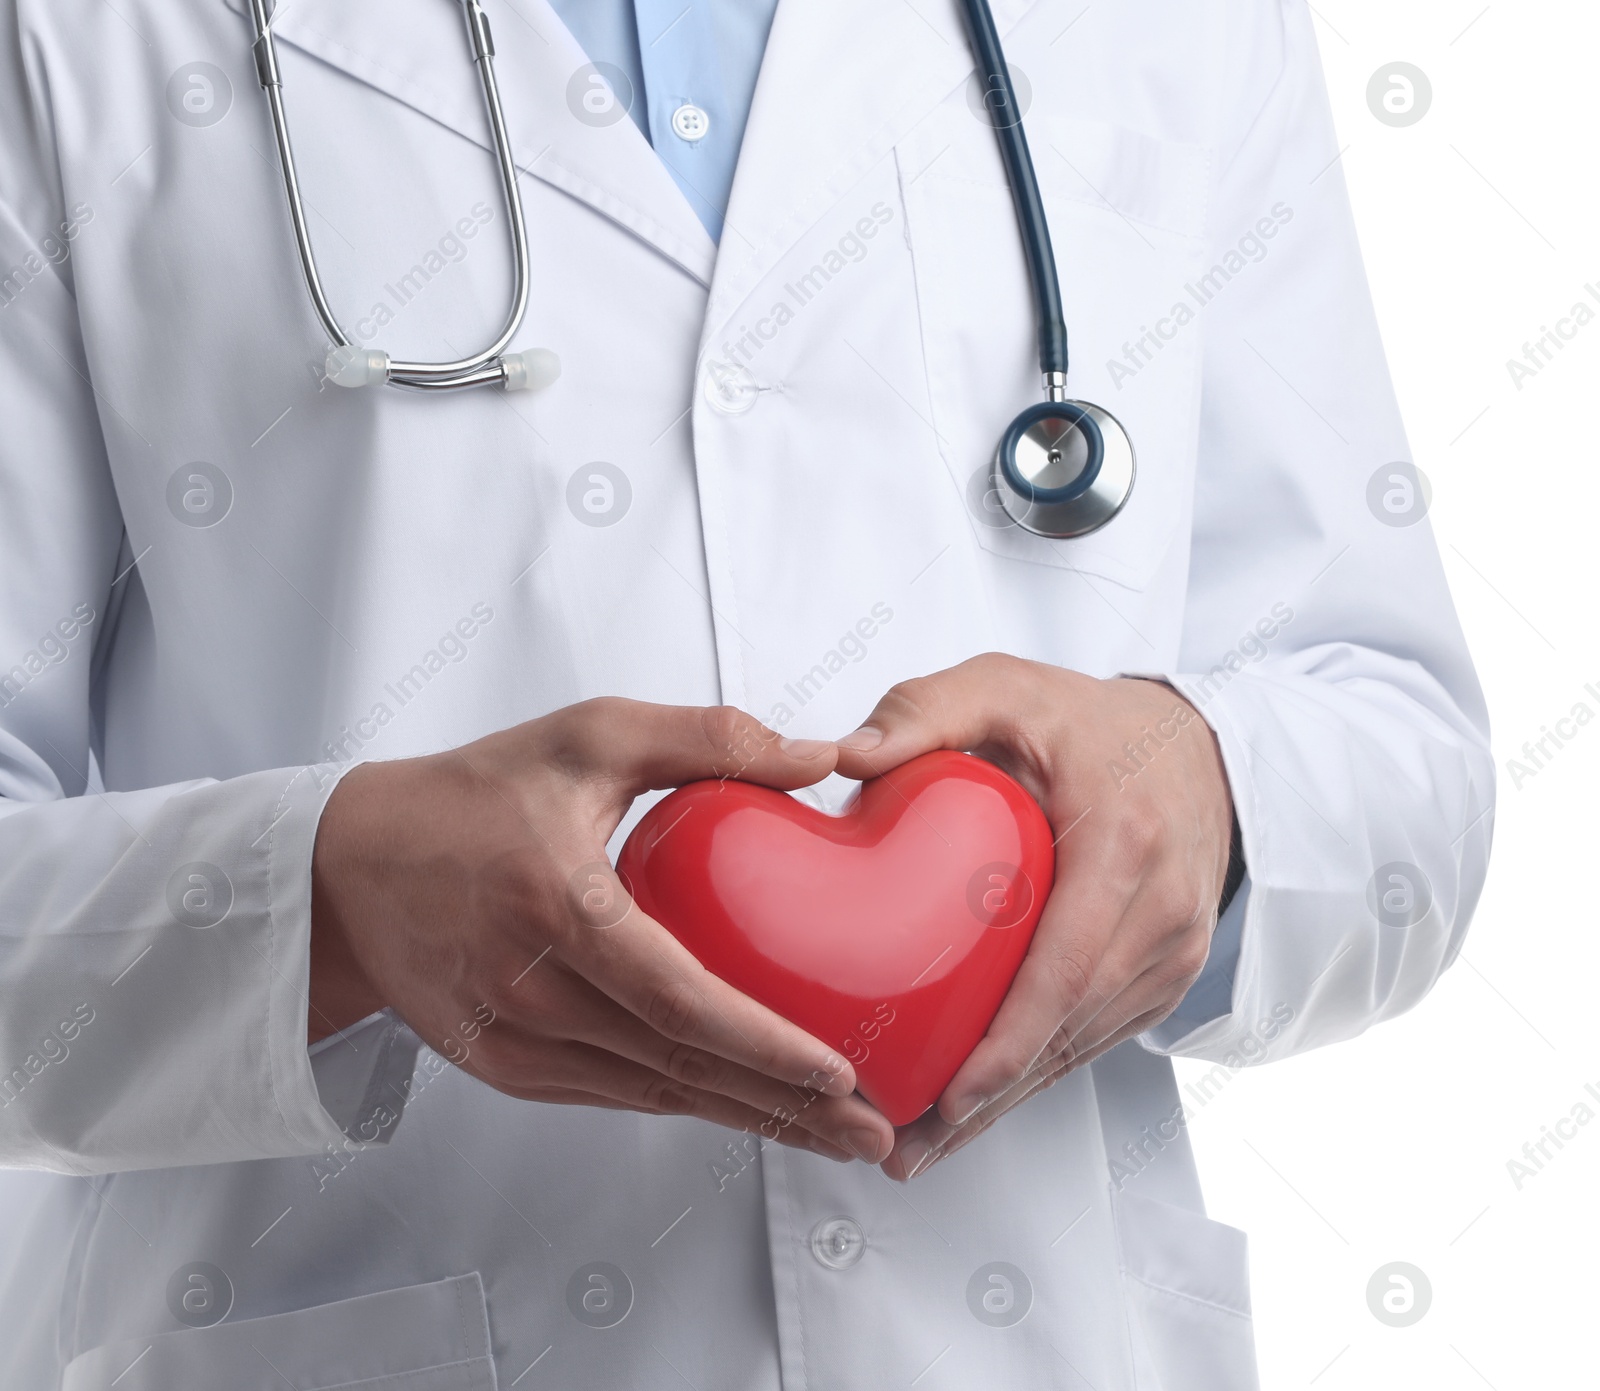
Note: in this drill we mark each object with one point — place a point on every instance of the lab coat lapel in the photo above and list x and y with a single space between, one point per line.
416 52
841 83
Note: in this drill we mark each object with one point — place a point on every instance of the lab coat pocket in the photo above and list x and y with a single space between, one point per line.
1188 1288
420 1338
1127 216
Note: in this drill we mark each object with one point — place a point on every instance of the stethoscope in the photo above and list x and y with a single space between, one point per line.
1062 468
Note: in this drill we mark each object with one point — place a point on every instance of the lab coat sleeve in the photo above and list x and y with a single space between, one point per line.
154 944
1319 640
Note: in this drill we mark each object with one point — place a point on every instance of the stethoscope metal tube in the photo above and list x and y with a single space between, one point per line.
350 365
1063 468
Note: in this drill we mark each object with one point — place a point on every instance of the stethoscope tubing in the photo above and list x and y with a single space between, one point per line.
1025 195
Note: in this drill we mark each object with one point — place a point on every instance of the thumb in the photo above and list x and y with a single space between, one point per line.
655 746
960 708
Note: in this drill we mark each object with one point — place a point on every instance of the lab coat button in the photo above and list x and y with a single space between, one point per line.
690 123
731 390
837 1243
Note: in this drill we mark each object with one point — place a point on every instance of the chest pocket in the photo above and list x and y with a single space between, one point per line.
1127 217
420 1338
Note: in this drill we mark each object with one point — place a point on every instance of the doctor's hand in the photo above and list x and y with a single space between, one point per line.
470 892
1133 785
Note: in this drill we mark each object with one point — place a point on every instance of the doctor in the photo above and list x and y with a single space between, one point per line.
321 708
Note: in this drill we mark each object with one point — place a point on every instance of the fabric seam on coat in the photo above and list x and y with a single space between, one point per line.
405 1375
1192 1298
799 1302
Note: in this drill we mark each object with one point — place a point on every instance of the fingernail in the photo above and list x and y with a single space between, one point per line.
835 1083
804 748
863 740
862 1143
966 1108
914 1156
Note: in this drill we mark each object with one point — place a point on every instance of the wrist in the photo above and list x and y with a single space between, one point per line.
340 992
1233 867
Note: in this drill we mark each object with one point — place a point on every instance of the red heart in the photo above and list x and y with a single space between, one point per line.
891 932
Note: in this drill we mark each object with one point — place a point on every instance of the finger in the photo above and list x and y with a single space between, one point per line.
1046 1074
922 1143
979 702
930 1139
654 746
1036 1082
850 1122
1148 958
1158 950
583 1013
1131 1029
636 962
577 1074
790 1138
1152 997
1065 970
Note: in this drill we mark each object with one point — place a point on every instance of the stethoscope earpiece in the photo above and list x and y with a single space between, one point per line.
1063 468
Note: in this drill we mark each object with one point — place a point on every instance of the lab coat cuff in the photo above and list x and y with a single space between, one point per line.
308 1123
363 1076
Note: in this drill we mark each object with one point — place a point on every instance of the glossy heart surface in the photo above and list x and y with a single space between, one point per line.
890 932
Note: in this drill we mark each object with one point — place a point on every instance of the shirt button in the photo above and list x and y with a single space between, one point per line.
690 123
729 390
837 1242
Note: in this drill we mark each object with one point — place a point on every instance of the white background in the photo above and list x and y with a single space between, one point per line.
1481 226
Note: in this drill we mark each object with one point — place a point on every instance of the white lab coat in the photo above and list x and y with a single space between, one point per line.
384 574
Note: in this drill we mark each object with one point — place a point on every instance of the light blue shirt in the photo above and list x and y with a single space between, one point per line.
692 71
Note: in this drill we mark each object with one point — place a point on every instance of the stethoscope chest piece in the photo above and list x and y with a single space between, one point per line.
1064 469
